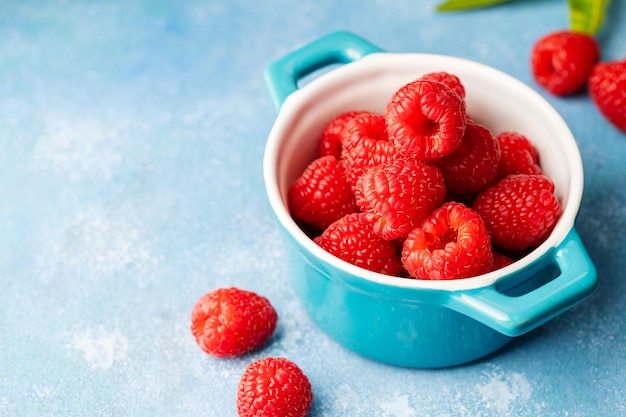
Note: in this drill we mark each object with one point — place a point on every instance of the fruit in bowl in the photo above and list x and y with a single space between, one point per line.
438 192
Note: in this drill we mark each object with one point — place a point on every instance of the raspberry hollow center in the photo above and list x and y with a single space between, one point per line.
440 242
421 124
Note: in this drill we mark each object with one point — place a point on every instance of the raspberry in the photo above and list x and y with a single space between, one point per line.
352 238
474 164
425 119
452 243
334 133
274 387
400 194
520 211
366 145
562 61
500 260
519 156
231 321
448 79
321 194
607 88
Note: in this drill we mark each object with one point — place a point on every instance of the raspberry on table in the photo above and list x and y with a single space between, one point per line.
352 238
400 194
322 193
520 211
519 155
231 321
607 88
452 243
474 164
274 387
425 119
366 145
448 79
334 133
562 61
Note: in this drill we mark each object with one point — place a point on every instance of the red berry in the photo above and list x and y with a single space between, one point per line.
334 133
425 119
274 387
474 164
519 156
500 260
562 61
366 145
352 238
400 194
448 79
452 243
520 211
322 193
231 321
607 87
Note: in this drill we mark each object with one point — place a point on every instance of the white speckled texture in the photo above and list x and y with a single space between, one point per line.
131 144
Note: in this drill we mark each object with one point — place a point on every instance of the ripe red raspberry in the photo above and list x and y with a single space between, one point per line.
334 133
474 164
400 194
321 194
500 260
366 145
519 156
230 321
352 238
425 119
448 79
274 387
452 243
562 61
607 87
520 211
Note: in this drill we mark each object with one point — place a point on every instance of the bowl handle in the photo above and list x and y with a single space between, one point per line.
514 315
282 75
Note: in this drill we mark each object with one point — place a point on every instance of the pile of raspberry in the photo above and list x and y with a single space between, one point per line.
232 322
565 62
422 190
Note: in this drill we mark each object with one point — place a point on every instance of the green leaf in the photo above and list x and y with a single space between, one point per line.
456 5
587 16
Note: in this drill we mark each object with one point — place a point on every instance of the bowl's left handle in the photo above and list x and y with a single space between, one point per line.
282 75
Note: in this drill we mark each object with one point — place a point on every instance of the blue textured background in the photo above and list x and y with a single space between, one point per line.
131 140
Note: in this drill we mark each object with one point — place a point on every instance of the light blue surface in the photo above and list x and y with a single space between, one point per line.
132 137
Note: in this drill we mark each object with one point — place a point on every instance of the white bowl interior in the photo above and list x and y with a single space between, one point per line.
493 99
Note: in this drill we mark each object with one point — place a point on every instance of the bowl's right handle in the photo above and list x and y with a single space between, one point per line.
516 315
282 75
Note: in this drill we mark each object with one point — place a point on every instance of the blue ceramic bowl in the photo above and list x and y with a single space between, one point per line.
409 322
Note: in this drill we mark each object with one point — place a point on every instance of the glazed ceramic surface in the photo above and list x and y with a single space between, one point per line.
410 322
